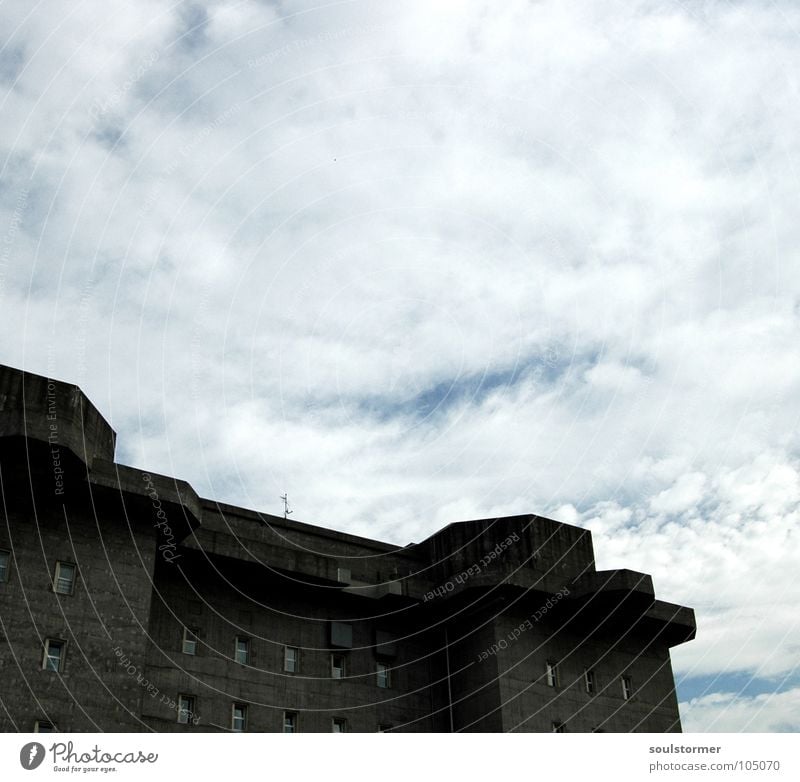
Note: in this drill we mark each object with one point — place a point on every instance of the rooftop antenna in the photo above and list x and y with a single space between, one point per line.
286 511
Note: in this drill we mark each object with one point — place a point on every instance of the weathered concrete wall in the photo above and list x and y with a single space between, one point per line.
54 412
530 704
272 615
108 609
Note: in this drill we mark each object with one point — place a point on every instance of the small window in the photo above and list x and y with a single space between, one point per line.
552 674
289 722
64 581
189 640
588 681
627 687
559 727
185 709
5 561
42 726
53 655
337 666
384 676
291 659
339 725
239 718
342 635
242 650
343 575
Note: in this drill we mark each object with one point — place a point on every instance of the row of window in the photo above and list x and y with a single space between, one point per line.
55 653
239 720
290 720
238 724
53 660
63 575
187 705
553 679
291 658
64 579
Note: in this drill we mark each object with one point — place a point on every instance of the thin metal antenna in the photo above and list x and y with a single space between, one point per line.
286 511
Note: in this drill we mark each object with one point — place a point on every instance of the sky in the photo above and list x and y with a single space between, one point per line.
424 262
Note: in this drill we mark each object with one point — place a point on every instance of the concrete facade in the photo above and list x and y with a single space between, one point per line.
186 614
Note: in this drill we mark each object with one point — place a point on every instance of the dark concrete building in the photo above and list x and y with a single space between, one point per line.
128 603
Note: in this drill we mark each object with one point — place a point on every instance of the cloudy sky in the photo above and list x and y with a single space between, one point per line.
416 263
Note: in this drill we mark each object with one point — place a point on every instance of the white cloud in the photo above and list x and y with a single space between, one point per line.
680 497
723 712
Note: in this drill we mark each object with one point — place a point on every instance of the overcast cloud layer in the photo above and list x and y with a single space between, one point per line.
420 264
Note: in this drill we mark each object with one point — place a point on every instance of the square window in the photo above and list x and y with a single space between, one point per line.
5 563
342 635
337 666
189 640
384 676
242 650
339 725
559 727
42 726
589 681
53 655
343 575
64 580
239 718
291 659
185 709
627 687
289 722
552 674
